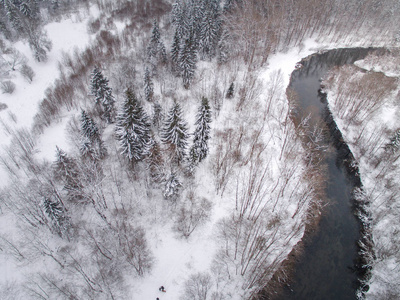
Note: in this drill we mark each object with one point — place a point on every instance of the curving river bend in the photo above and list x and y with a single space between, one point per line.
326 269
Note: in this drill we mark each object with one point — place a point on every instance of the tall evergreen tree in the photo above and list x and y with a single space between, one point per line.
103 95
230 91
223 47
175 52
155 162
201 134
172 187
148 85
175 132
133 129
394 144
66 170
157 115
13 14
210 29
187 61
156 50
92 145
57 215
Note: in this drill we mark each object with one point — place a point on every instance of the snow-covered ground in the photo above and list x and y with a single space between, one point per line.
367 139
66 36
176 258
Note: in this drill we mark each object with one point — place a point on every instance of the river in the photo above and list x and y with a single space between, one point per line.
326 268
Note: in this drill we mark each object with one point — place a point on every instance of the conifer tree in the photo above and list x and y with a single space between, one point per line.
66 169
394 144
155 162
13 15
133 129
103 95
175 132
156 50
209 29
223 47
187 61
57 215
175 51
92 145
227 6
25 9
172 187
157 115
148 85
201 134
230 91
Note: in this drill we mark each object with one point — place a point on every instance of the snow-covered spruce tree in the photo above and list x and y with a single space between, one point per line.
175 132
210 29
103 95
13 14
66 170
156 50
228 5
175 51
172 187
180 17
187 61
201 134
40 44
91 145
157 116
223 47
230 91
394 144
57 216
155 163
133 129
148 85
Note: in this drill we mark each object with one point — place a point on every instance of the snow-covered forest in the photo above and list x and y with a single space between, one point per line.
152 142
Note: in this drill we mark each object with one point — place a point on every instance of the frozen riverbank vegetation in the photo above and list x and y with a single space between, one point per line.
365 104
162 150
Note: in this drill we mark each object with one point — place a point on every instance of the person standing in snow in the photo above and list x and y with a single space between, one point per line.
162 289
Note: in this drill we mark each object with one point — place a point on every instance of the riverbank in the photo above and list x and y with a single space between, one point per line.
343 160
369 134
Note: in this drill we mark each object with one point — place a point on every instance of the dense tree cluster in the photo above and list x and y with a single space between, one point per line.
198 32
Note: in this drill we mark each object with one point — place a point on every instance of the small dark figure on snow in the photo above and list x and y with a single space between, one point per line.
158 299
162 289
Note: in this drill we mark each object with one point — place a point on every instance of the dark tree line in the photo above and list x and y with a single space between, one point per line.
199 34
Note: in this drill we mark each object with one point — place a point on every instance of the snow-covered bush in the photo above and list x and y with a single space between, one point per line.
27 72
198 287
191 213
7 87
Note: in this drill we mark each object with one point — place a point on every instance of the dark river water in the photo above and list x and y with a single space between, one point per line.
326 268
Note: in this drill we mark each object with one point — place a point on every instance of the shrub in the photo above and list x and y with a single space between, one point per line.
7 87
192 213
27 72
93 26
198 287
